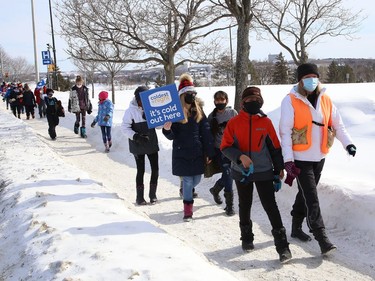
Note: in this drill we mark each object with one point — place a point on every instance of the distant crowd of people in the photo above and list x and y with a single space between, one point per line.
243 147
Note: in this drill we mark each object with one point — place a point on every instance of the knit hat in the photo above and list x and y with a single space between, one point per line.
186 84
305 69
253 91
103 95
138 91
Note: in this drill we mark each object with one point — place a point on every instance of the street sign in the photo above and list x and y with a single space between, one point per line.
46 57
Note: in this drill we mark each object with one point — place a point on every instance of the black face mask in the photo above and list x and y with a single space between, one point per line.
189 98
220 106
252 107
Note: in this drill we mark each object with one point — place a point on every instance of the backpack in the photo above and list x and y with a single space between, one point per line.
60 109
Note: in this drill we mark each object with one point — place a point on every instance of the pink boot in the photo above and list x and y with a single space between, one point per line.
188 210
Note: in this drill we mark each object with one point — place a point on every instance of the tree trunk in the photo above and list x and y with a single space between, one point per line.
170 70
242 61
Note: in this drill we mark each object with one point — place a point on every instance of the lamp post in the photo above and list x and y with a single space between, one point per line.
54 85
34 38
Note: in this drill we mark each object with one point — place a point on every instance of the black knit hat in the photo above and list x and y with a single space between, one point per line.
305 69
138 91
253 91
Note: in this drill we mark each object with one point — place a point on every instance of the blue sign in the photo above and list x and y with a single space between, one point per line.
161 105
46 57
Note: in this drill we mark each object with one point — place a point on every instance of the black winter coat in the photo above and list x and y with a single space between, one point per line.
192 143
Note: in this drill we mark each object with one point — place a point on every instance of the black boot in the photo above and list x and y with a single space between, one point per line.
247 237
297 231
282 245
229 202
152 193
83 132
215 192
140 200
76 127
326 246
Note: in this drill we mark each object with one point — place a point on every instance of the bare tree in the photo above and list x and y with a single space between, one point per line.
158 29
305 22
242 11
88 68
113 69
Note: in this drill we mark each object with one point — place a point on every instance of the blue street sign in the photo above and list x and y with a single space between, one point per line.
46 57
161 105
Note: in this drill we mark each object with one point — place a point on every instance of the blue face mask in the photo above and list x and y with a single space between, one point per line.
310 84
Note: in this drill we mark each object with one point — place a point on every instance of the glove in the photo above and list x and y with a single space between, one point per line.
93 124
351 149
246 174
276 183
292 172
106 118
89 112
140 138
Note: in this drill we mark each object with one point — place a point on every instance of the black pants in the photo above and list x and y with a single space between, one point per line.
266 194
154 163
29 110
78 118
53 121
306 203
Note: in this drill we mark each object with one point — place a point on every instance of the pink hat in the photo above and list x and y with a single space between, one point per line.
103 95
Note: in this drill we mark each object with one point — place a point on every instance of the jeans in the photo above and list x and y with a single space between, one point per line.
106 133
188 183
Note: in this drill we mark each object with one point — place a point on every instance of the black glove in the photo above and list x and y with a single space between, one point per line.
93 124
106 118
89 111
351 149
140 138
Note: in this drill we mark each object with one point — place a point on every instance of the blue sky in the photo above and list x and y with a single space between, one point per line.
17 37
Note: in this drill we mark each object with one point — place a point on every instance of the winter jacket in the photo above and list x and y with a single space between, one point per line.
51 106
133 122
254 136
16 97
218 122
104 109
286 125
192 143
74 102
28 98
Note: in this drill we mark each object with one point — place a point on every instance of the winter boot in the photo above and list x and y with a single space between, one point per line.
282 245
83 132
297 231
326 246
152 193
229 202
195 195
188 210
140 200
19 116
76 127
215 193
247 237
106 147
110 143
33 115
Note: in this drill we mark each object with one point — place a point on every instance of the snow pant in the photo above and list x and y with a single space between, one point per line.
188 184
29 110
266 194
16 109
306 203
106 133
78 118
53 121
226 178
42 108
154 164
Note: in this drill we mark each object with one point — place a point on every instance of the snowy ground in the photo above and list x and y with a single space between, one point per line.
68 209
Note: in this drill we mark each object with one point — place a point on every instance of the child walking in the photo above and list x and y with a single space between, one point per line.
51 113
104 119
251 143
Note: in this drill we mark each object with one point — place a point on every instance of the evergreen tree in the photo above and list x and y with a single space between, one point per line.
333 73
280 73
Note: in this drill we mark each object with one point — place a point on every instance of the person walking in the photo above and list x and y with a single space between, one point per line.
192 142
39 94
142 141
16 100
79 103
51 113
29 102
308 124
104 119
251 143
218 120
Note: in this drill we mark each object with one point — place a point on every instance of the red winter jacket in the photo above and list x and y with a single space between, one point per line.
255 136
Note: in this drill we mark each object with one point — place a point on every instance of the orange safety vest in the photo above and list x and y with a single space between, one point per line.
303 122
